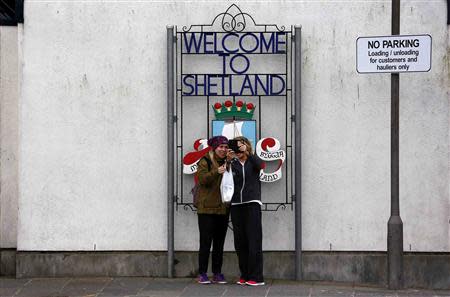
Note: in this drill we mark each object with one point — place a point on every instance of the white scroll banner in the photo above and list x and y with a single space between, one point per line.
191 159
268 149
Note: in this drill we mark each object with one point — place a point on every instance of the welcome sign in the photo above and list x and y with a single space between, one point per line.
235 53
236 76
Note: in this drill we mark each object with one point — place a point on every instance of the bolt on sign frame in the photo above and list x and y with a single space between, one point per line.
234 58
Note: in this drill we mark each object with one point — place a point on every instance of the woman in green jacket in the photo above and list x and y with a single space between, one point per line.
212 213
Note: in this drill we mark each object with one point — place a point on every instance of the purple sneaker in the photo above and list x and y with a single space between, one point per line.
219 279
203 279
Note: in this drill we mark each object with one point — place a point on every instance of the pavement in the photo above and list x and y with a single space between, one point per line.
163 287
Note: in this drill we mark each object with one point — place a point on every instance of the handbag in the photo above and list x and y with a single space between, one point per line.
227 186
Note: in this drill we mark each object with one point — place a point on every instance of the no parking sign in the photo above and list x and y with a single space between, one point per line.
392 54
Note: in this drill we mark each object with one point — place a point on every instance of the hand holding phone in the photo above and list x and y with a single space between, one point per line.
233 145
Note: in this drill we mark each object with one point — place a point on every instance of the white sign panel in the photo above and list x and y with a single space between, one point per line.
397 53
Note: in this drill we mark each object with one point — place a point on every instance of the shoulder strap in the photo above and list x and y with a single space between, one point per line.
208 161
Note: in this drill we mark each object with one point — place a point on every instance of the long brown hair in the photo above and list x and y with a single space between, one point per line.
212 156
246 142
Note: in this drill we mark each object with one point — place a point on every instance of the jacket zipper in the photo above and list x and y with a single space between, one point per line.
243 180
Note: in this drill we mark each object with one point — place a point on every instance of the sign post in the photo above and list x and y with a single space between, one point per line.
394 54
298 155
395 224
170 152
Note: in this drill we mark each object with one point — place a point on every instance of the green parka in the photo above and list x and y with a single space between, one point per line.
209 199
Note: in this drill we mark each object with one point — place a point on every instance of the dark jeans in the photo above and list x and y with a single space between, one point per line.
247 231
213 229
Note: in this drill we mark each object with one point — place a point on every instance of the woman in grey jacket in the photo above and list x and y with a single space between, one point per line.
246 214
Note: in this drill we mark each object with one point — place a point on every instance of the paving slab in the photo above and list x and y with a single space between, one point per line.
8 291
234 290
129 282
332 291
373 292
441 293
45 287
10 286
288 290
194 289
12 282
124 286
165 287
84 286
187 287
415 293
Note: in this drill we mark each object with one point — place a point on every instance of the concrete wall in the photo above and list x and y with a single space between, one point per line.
421 270
9 111
92 117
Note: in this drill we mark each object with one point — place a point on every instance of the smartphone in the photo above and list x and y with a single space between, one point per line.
233 145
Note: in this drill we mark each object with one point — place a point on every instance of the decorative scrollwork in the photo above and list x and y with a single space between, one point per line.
271 207
189 206
186 29
234 20
274 207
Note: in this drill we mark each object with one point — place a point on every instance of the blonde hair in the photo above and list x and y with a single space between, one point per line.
246 142
213 158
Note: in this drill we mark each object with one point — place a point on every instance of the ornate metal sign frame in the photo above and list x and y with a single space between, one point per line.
234 21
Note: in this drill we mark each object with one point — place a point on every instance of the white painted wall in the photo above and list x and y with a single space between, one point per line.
448 63
92 117
423 138
8 136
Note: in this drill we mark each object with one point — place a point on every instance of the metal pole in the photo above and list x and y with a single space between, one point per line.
170 152
298 154
19 11
395 224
